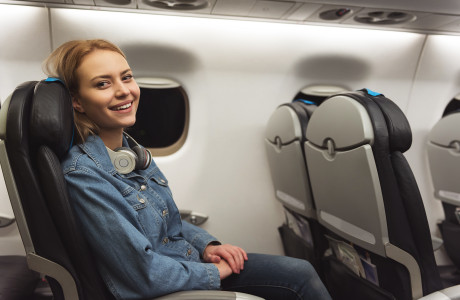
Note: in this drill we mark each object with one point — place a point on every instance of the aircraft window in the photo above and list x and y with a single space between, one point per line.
318 93
452 106
162 117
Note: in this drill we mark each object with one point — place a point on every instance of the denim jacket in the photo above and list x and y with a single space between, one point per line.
133 227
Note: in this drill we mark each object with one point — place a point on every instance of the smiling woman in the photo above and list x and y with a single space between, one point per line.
108 96
132 212
95 87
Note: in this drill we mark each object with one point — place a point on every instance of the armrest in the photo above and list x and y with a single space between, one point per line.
208 295
193 217
452 293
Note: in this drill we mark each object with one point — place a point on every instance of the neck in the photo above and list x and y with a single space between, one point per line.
112 139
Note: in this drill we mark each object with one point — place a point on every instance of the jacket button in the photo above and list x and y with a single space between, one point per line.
141 200
165 212
165 240
143 187
189 252
162 181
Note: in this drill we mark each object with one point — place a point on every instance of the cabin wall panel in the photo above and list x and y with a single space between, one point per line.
24 43
437 82
236 73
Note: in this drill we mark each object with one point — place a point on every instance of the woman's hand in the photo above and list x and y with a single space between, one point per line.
233 255
224 269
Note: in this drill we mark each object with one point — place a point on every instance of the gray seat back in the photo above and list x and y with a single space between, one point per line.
284 138
365 192
339 152
443 148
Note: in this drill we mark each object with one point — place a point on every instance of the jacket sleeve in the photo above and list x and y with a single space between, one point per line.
125 257
197 237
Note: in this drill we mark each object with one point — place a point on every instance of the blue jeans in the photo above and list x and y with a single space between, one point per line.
277 277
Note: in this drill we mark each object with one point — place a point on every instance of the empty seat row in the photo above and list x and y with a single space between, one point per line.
342 167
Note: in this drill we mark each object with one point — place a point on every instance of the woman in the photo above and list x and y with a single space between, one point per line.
129 218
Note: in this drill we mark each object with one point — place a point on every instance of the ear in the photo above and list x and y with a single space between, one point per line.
77 104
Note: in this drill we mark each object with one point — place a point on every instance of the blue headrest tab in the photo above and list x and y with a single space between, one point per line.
372 93
51 79
304 101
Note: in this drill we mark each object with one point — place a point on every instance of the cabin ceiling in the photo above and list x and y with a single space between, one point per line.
431 16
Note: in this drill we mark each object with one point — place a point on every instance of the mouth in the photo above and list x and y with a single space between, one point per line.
122 107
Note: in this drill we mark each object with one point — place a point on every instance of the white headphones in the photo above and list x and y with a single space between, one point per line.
126 160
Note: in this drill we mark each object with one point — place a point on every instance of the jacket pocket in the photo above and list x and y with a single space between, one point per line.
147 216
161 181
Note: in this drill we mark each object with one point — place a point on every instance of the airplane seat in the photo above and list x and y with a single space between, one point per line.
284 137
284 141
368 200
443 150
36 131
49 233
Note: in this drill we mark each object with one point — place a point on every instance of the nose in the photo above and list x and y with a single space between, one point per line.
122 90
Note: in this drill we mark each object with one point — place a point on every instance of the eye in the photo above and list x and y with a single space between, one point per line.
127 77
102 84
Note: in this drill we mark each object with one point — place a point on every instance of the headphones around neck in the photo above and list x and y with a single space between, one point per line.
126 160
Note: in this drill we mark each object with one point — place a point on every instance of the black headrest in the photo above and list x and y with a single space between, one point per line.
399 131
397 126
303 111
51 119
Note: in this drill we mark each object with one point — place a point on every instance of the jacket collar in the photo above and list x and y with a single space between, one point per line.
95 148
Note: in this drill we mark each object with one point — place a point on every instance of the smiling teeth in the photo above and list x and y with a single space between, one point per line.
123 106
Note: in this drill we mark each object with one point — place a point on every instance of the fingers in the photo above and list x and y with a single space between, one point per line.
245 255
235 257
213 259
208 255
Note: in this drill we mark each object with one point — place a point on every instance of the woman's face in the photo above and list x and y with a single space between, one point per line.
108 93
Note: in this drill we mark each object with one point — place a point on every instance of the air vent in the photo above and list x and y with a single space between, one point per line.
333 13
379 17
177 4
114 3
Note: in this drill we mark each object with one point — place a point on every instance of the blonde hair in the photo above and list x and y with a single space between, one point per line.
63 63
